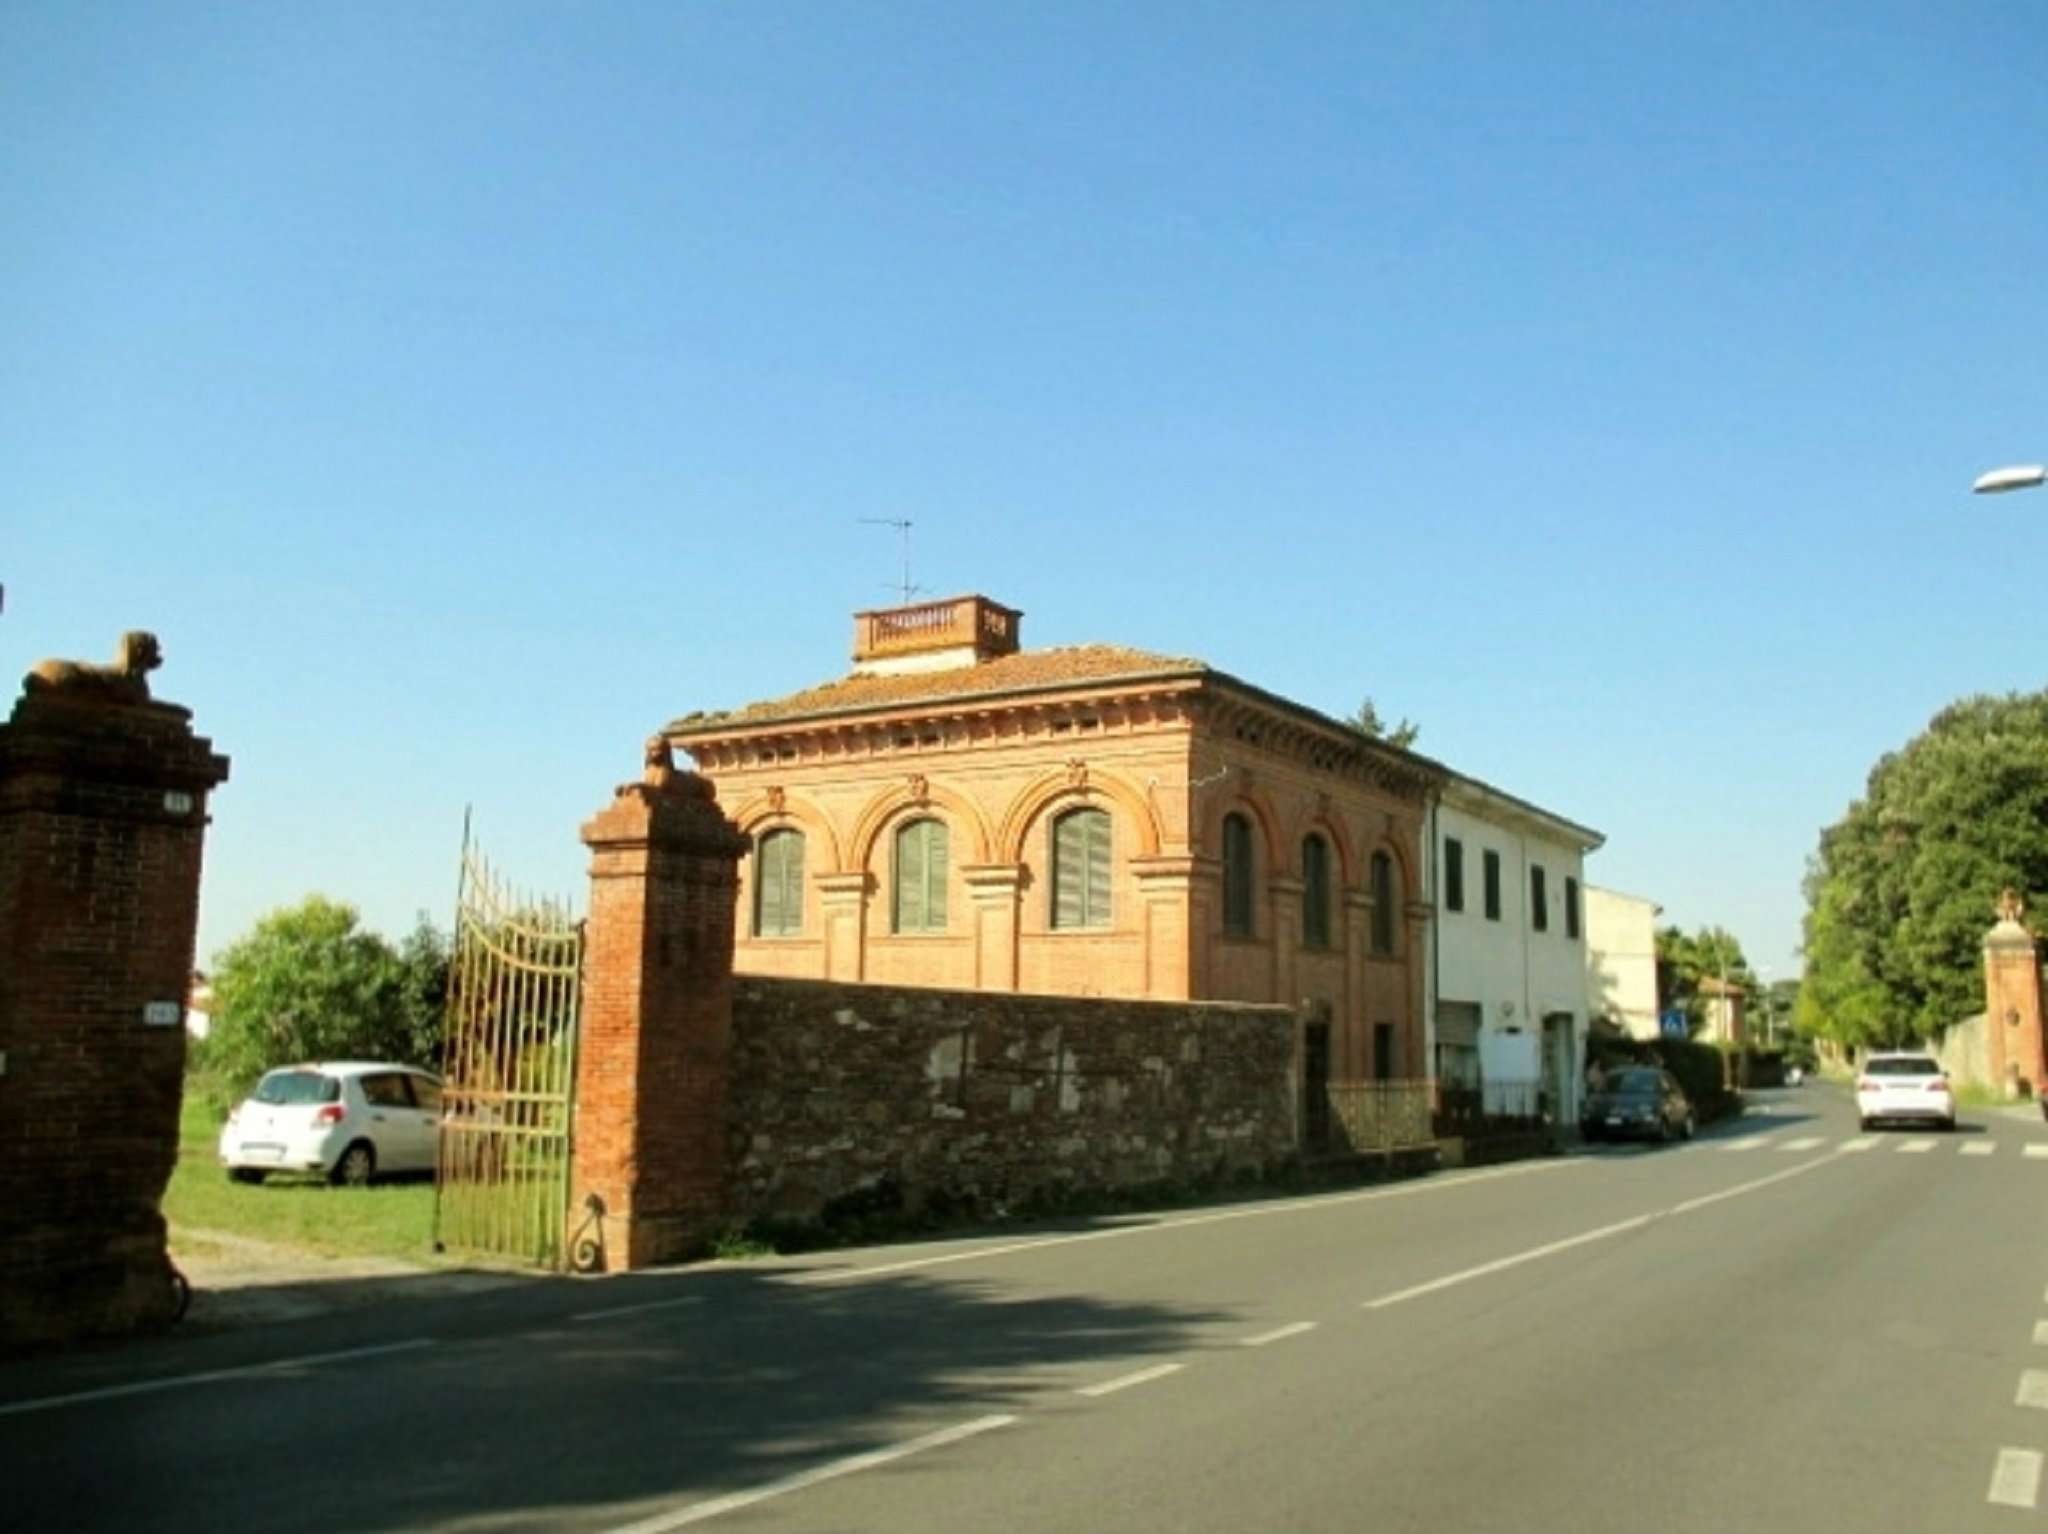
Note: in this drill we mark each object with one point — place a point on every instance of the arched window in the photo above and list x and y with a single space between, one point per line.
921 877
1237 876
779 884
1382 903
1080 869
1315 892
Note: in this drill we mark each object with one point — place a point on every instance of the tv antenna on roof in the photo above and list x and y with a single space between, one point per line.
902 525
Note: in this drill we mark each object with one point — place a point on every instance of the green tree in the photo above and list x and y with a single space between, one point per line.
1902 888
1367 722
309 983
1684 959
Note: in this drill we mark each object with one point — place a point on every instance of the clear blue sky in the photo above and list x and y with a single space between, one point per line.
463 391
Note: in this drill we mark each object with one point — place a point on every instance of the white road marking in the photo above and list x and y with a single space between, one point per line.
1153 1227
2041 1334
2035 1151
1278 1333
1978 1148
1916 1147
2033 1389
1805 1143
2015 1479
1126 1381
1585 1238
1849 1147
145 1387
697 1512
633 1310
1752 1142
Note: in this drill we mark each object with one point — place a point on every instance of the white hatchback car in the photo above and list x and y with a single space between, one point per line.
1898 1087
348 1120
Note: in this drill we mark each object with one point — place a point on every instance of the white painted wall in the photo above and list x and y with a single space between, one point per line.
1621 960
1515 974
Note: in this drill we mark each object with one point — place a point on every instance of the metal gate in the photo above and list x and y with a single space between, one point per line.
509 1070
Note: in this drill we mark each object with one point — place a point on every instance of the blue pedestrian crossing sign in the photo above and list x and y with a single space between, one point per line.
1672 1024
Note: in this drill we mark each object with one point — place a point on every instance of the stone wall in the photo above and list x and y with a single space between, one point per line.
1964 1050
972 1100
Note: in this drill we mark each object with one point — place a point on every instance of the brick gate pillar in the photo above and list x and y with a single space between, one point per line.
102 821
2012 1001
656 1049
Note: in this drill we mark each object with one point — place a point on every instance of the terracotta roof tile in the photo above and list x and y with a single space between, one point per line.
1029 670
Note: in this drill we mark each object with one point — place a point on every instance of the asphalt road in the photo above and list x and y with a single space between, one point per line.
1785 1326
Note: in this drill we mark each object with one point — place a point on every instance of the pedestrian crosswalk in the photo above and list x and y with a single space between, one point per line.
1917 1145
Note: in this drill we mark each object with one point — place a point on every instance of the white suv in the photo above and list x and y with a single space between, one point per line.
348 1120
1904 1086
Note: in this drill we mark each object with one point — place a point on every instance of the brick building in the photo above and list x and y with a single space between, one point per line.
1091 820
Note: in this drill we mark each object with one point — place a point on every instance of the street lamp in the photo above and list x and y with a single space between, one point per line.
2022 476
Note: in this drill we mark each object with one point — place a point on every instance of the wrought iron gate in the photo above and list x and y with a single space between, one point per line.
509 1070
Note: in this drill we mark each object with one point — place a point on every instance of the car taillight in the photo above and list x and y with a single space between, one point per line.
333 1113
1865 1084
1937 1086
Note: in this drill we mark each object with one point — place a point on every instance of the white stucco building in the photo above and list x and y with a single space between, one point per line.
1621 960
1507 976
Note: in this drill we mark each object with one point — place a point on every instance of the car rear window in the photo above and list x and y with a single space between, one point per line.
293 1088
1635 1081
1912 1065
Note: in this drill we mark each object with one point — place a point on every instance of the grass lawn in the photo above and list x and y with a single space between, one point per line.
390 1219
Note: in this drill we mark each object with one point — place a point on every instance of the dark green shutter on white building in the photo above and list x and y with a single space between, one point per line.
921 877
1080 869
779 884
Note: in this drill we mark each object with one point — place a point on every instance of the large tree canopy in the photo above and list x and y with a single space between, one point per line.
306 983
1903 887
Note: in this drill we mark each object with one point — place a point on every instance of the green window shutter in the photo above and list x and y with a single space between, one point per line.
1097 898
910 877
1382 903
1237 876
1081 853
1315 893
779 884
921 877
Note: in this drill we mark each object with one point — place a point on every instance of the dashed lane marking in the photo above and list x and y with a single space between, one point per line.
1851 1146
2041 1334
1804 1143
697 1512
2033 1389
2034 1151
1755 1142
1916 1147
2015 1478
1278 1334
1978 1148
1126 1381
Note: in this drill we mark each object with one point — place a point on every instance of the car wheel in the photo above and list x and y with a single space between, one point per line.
1864 1125
1689 1128
1663 1130
358 1164
248 1174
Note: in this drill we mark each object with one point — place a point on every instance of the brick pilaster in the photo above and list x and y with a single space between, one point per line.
102 825
2012 1006
657 1016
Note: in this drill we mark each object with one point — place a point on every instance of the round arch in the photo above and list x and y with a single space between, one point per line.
1054 790
794 811
892 802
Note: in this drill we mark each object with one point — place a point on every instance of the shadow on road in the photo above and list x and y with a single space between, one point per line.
573 1419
